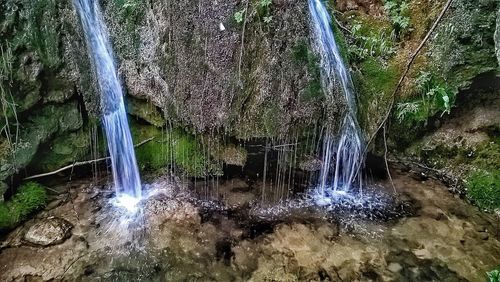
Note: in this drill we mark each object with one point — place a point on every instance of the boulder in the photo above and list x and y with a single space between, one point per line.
49 231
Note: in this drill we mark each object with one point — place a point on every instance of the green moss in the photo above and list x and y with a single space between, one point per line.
305 57
483 187
63 150
30 197
487 156
156 153
376 83
172 146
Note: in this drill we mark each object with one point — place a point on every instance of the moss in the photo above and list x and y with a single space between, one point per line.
483 187
487 156
303 56
172 146
30 197
63 150
376 84
154 154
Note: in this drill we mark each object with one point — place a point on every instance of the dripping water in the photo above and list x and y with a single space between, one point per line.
346 150
119 140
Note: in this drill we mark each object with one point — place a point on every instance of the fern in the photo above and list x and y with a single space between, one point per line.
494 275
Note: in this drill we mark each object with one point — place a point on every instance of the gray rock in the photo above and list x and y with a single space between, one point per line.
49 231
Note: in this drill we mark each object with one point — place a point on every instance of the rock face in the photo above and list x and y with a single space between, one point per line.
49 231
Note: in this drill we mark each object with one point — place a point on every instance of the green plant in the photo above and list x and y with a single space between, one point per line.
265 3
30 197
494 275
399 14
238 16
369 42
264 10
483 187
435 97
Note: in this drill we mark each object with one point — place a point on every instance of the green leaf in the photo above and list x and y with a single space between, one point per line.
238 16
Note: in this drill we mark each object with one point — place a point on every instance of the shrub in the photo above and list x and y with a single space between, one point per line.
30 197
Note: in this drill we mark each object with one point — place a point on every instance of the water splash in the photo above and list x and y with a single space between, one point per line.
121 149
348 148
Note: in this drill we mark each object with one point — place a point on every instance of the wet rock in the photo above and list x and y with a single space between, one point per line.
49 231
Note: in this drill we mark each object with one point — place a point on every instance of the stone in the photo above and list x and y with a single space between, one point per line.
49 231
394 267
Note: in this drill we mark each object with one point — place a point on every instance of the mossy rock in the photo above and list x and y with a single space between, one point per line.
41 127
463 51
63 150
29 197
156 153
377 82
172 146
146 111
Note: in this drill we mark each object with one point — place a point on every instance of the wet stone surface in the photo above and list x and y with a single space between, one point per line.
422 234
48 231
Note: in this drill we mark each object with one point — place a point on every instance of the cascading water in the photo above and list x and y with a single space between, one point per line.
350 145
121 149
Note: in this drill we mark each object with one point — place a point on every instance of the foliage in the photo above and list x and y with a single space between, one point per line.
494 275
264 10
238 16
483 187
460 52
370 42
30 197
435 97
399 14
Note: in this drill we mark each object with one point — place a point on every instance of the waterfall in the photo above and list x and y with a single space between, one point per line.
121 148
348 147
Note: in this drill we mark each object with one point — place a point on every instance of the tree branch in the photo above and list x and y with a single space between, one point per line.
407 69
79 163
